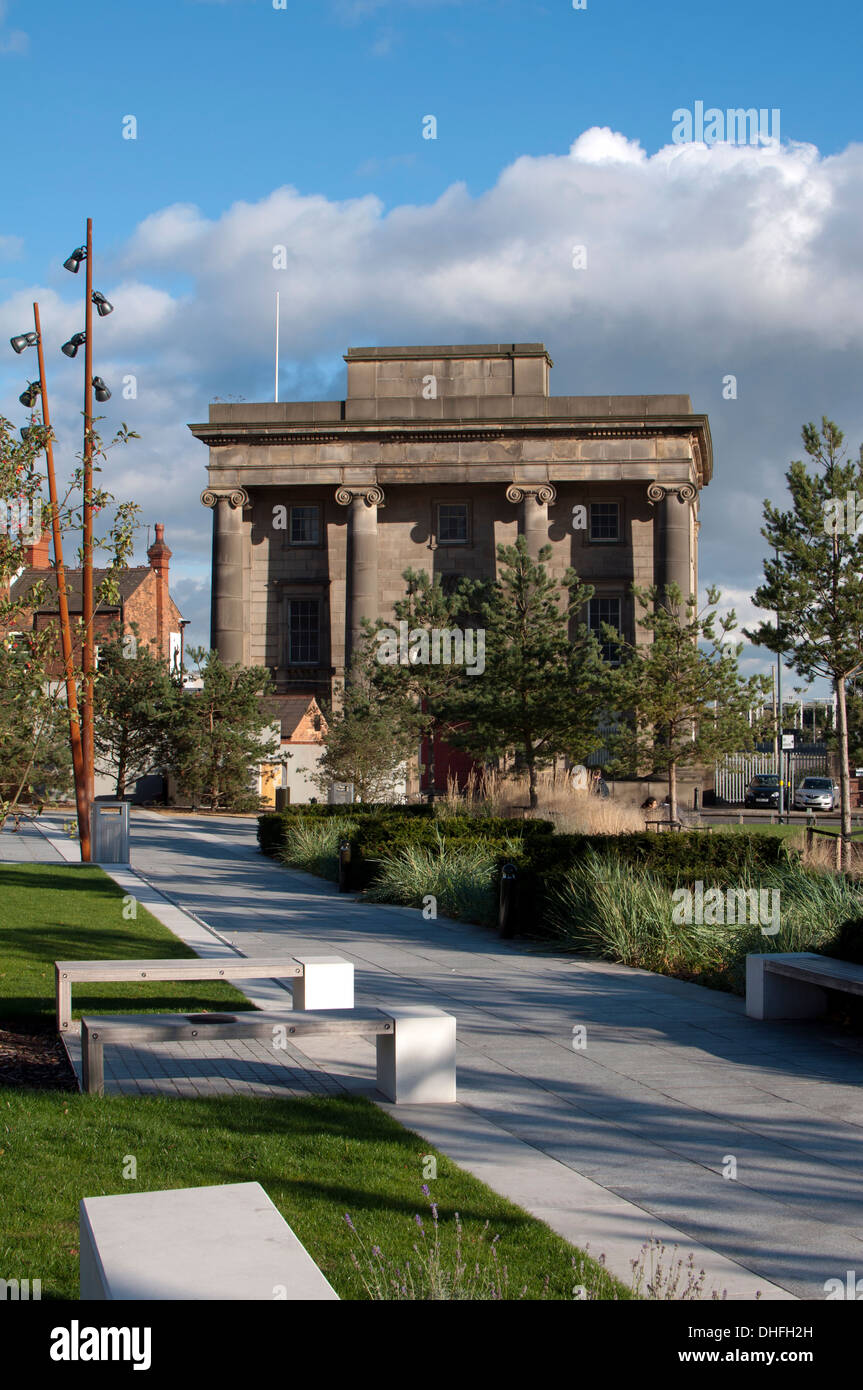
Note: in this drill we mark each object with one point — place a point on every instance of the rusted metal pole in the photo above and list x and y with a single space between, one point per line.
87 605
82 801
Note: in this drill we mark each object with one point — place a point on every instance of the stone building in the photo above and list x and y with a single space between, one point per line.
434 457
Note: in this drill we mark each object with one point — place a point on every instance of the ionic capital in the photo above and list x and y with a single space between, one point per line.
685 492
543 492
235 496
372 495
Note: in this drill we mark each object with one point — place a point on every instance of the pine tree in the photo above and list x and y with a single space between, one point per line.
133 699
680 696
541 692
814 581
216 736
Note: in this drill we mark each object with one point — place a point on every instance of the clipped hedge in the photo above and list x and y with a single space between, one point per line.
271 825
678 859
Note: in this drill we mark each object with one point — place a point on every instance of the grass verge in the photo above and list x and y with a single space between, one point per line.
54 912
317 1158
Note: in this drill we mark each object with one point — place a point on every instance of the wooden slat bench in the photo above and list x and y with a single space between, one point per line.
194 1243
415 1044
319 982
792 984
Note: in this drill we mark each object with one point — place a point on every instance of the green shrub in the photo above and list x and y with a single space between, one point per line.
460 876
313 844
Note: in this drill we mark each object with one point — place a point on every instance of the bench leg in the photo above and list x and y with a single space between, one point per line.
769 995
416 1063
324 984
64 1002
92 1063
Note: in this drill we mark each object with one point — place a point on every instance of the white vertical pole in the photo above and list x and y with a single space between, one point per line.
276 395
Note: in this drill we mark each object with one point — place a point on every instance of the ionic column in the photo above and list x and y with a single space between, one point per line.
362 572
672 529
227 616
533 521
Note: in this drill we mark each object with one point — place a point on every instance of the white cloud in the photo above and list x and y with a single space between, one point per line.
701 262
13 41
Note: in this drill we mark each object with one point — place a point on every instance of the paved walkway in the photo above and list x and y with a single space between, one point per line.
626 1137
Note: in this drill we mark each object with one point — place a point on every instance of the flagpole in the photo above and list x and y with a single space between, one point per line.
276 396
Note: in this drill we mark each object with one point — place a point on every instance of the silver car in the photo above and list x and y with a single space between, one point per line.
816 794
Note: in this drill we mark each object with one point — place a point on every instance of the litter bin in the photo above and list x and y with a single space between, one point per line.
283 798
109 832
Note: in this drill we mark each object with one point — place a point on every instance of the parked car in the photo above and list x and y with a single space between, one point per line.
763 790
816 794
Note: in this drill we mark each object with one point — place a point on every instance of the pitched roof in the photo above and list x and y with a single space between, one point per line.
293 709
127 582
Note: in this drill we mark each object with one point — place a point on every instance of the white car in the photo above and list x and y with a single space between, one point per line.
816 794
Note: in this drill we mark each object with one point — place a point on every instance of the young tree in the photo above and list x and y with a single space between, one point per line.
814 582
34 729
681 697
541 692
216 735
367 744
134 696
415 688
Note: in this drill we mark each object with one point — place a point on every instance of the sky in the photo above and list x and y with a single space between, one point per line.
303 126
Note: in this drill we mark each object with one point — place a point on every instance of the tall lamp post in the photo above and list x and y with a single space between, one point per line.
85 254
81 799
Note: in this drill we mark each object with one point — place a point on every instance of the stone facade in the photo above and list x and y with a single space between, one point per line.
319 506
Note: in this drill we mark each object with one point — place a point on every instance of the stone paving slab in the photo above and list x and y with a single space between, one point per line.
643 1116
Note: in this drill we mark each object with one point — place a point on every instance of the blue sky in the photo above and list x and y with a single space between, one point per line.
304 125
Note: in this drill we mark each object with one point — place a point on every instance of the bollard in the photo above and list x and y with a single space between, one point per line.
810 831
506 905
345 866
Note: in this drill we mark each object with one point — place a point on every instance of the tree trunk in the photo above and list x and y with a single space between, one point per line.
531 773
672 792
121 776
844 785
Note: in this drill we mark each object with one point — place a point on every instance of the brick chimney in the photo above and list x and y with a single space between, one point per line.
160 556
38 556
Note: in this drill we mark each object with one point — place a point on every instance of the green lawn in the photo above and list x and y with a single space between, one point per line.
317 1159
75 912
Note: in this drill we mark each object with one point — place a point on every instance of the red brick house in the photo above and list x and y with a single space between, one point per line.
144 600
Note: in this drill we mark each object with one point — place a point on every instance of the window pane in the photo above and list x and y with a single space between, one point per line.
451 522
305 525
604 521
304 635
604 610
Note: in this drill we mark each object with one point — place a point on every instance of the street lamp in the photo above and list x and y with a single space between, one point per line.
24 340
91 384
77 340
34 390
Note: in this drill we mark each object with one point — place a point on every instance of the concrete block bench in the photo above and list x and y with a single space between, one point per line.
415 1045
195 1243
792 984
319 982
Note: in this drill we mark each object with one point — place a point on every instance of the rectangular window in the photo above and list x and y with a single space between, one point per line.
605 521
305 527
452 523
604 610
304 632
